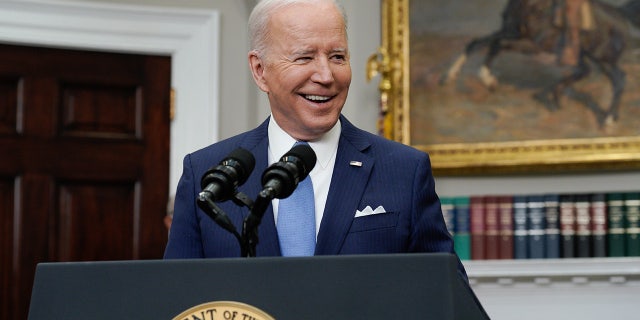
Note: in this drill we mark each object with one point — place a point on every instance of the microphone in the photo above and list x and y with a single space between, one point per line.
221 182
281 178
278 181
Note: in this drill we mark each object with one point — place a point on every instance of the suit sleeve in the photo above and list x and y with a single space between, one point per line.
429 232
185 237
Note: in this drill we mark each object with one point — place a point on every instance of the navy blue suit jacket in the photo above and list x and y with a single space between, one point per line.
392 175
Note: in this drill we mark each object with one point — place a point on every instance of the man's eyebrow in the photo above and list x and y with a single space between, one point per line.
303 51
307 51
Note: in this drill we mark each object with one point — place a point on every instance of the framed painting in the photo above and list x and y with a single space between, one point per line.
489 87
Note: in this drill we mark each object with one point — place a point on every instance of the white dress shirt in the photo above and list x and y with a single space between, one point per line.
325 148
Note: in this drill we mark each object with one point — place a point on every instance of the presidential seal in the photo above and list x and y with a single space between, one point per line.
224 310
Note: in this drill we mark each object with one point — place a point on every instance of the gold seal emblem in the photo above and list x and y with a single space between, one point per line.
228 310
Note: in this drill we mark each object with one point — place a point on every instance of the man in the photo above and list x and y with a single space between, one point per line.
371 195
578 17
168 218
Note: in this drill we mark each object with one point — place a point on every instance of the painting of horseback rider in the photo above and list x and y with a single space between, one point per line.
544 68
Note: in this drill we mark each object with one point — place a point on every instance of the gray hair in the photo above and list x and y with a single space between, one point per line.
262 13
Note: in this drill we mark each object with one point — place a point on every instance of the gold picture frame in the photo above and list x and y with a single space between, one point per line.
517 156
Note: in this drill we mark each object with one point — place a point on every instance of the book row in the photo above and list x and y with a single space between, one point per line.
544 226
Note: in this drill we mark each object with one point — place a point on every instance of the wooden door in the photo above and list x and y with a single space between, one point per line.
84 161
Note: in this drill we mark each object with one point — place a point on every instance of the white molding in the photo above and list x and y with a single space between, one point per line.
189 36
553 269
577 288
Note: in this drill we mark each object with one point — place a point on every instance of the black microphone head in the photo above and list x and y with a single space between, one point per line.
304 153
246 163
282 177
234 170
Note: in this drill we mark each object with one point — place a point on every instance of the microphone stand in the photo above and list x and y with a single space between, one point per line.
251 223
206 203
248 240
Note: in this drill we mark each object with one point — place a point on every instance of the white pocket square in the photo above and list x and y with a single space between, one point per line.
368 211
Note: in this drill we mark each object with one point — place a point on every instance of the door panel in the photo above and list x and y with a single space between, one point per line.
101 111
10 92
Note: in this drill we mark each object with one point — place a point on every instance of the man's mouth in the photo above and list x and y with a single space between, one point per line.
316 98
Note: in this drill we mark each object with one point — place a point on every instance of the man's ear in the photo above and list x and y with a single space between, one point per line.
257 71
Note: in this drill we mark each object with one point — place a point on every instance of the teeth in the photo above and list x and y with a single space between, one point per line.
317 98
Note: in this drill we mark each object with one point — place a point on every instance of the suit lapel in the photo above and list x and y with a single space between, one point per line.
346 190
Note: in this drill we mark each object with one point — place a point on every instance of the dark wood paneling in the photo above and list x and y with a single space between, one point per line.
32 226
10 96
41 93
101 111
8 293
108 233
84 142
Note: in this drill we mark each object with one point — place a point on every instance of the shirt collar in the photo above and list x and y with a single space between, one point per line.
325 148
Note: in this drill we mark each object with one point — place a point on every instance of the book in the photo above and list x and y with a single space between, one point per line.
505 207
582 204
536 227
598 225
632 213
616 246
477 216
492 227
567 225
520 227
462 234
552 226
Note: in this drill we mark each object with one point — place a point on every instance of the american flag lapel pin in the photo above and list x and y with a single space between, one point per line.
355 163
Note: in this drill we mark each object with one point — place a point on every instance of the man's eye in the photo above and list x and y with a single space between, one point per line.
303 59
339 57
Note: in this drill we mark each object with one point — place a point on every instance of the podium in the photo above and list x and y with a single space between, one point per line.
391 286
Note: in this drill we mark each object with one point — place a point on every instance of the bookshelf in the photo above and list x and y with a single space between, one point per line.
578 288
583 267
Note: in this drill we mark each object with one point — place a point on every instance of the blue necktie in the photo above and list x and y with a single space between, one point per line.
297 221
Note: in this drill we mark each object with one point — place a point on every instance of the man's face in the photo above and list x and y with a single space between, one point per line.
305 71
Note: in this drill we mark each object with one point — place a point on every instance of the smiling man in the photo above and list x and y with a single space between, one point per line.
304 68
369 195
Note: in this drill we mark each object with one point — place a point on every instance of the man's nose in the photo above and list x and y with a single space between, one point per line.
322 73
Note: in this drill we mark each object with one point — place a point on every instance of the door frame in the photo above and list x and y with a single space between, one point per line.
190 36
